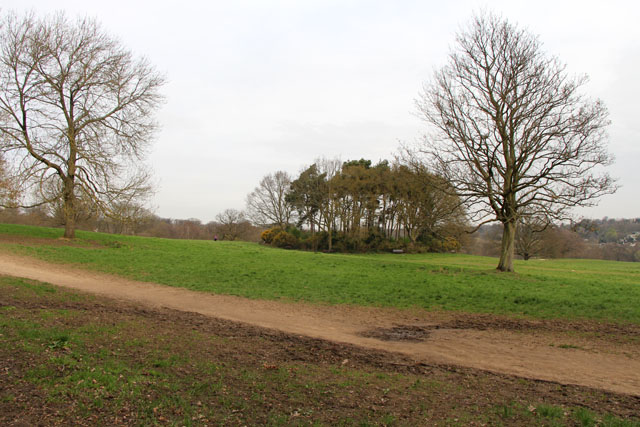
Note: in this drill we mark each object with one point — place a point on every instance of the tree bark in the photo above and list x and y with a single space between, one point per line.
69 210
508 245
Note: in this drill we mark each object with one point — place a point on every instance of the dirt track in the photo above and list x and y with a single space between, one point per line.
581 353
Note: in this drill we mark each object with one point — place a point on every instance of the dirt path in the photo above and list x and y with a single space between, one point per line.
581 353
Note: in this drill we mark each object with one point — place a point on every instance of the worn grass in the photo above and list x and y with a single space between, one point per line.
74 359
568 288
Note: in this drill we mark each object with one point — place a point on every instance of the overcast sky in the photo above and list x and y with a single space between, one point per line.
260 86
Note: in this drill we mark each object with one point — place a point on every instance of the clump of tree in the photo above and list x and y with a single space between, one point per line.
76 116
512 133
229 225
358 206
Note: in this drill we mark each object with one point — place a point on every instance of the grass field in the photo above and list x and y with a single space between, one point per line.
591 289
74 359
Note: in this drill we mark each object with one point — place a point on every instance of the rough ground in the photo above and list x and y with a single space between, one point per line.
125 364
591 354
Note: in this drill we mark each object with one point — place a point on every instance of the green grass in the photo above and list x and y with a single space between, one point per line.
564 288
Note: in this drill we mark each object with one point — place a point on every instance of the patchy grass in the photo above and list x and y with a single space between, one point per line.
591 289
69 358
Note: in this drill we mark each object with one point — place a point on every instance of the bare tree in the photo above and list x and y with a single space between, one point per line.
129 218
512 133
267 204
529 235
231 223
75 112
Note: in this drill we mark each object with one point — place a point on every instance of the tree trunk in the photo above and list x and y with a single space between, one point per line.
314 245
68 198
412 234
508 246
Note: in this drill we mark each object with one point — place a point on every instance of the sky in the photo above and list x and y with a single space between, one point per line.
260 86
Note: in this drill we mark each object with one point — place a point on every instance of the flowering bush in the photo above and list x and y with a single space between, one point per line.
285 240
268 235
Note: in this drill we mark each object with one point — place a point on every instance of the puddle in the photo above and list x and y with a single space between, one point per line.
401 333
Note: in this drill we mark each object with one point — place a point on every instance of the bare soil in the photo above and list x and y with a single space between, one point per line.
583 353
268 377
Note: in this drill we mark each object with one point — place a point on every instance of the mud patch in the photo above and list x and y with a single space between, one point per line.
401 333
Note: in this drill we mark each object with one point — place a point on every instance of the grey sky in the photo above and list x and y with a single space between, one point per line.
260 86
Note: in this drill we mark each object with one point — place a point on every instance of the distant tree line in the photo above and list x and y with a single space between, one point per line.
587 238
609 230
229 225
358 206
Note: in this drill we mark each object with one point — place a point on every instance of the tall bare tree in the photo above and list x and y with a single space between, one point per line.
267 204
512 132
76 112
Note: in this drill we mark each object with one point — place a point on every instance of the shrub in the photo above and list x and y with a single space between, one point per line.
451 244
285 240
374 238
295 231
268 235
433 243
318 241
346 243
